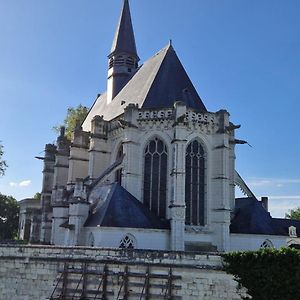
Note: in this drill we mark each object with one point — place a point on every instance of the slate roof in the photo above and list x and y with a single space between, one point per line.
124 37
116 207
158 83
251 218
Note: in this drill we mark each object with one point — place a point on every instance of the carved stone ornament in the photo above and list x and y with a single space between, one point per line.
292 231
178 212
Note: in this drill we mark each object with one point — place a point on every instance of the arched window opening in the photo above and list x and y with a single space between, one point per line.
267 244
155 176
118 174
194 184
91 240
27 230
127 242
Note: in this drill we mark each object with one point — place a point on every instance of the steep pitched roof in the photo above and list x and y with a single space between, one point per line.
159 82
124 37
251 218
116 207
281 226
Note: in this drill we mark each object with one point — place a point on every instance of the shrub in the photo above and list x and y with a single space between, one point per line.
266 273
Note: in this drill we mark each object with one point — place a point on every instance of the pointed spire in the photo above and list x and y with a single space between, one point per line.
123 59
124 37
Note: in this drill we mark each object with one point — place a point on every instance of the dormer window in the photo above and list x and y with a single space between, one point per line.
292 231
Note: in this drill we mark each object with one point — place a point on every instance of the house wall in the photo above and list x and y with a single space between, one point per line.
31 272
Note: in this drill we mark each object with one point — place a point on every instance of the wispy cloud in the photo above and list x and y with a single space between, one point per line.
293 197
23 183
278 209
276 182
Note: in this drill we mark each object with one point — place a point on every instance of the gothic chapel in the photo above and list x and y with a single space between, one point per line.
150 168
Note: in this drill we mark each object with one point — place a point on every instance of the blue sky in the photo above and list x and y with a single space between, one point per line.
243 56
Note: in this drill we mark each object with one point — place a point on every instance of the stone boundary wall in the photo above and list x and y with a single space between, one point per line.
31 272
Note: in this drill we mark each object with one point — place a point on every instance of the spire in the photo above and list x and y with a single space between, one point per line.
124 37
123 59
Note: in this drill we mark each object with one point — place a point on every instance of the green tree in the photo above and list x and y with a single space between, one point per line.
266 273
37 196
293 214
9 217
3 164
73 117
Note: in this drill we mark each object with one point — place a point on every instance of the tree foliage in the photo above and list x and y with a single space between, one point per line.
73 117
293 214
3 164
9 217
266 273
37 196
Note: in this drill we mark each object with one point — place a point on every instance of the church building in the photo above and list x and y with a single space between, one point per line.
150 168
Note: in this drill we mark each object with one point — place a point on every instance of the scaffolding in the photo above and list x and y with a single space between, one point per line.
111 282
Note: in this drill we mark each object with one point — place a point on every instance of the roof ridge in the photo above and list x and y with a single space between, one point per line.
107 202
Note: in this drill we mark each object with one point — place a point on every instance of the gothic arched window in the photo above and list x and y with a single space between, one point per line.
128 242
194 183
155 176
267 244
118 174
91 240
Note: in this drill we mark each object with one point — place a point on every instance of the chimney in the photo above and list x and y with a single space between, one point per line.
264 202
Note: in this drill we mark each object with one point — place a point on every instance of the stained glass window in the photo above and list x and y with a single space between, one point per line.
118 176
194 184
155 177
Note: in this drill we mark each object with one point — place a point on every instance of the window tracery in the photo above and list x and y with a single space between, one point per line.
195 184
118 174
127 242
267 244
155 176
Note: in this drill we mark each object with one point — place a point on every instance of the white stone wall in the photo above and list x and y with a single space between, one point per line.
244 242
152 239
176 127
60 216
31 272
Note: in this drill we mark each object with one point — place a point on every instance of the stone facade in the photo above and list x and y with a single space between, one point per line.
150 163
30 220
32 272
